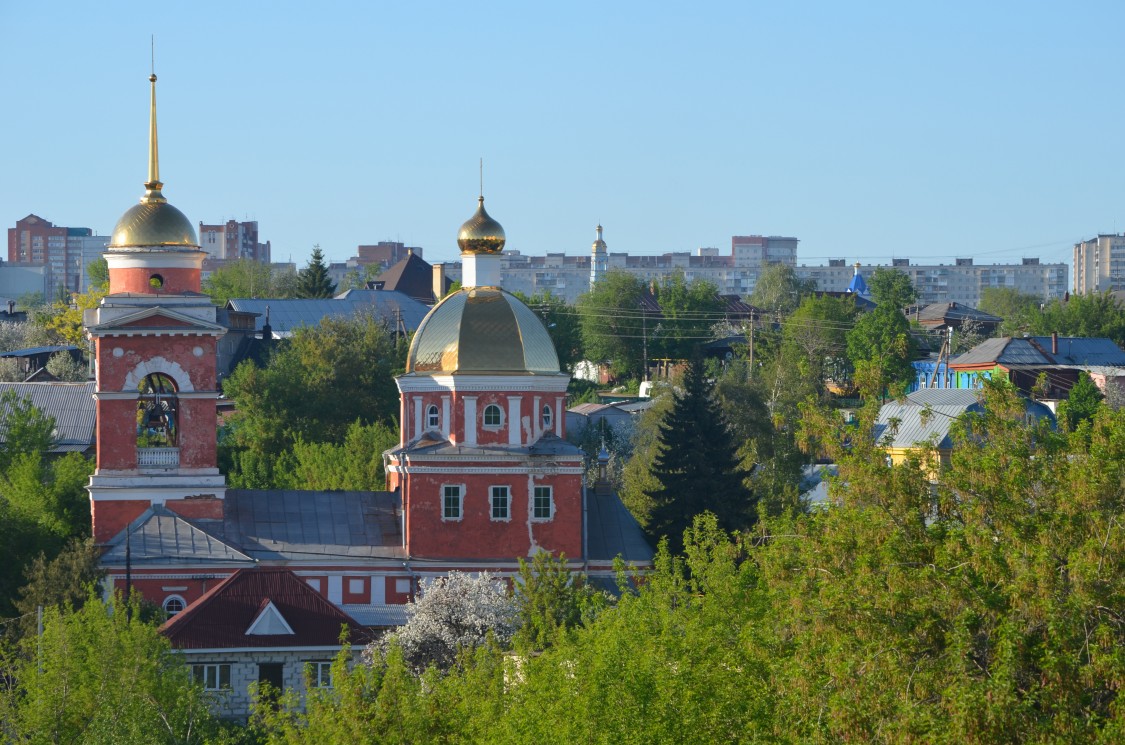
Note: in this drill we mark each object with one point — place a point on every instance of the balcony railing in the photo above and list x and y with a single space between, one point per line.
158 457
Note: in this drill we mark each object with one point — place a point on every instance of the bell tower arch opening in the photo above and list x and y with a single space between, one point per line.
158 412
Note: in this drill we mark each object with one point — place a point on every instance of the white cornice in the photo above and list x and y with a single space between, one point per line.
518 470
483 383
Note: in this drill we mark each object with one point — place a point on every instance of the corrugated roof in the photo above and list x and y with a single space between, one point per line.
955 312
71 404
927 415
286 315
221 617
1077 350
304 525
1036 351
612 531
33 351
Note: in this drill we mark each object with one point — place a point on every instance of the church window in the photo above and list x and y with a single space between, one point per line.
432 420
543 504
451 502
213 677
501 501
157 412
156 281
547 417
493 416
173 604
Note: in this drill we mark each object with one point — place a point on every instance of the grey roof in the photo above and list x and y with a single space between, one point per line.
160 536
307 525
286 315
926 415
611 531
377 615
33 351
944 312
1036 352
71 404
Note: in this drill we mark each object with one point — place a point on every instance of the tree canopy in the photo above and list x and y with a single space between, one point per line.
779 290
561 320
247 278
313 280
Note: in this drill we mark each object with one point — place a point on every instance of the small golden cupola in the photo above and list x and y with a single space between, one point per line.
480 234
153 248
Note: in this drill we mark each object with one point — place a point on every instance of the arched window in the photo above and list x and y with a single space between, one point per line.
173 604
493 416
432 420
156 282
547 416
157 412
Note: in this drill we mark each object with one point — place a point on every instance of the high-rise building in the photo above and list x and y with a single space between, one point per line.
233 240
64 252
1099 264
385 253
961 282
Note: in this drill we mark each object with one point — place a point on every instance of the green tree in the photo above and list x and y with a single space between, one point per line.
1081 404
64 582
551 601
103 676
313 389
313 281
880 349
247 278
98 273
613 329
779 290
697 466
66 369
1018 309
1091 315
689 310
64 322
356 464
892 287
814 346
561 320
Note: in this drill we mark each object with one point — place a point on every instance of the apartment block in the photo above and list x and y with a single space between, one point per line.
1099 264
63 252
233 240
959 282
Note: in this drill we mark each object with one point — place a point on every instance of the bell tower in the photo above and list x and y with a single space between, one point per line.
154 337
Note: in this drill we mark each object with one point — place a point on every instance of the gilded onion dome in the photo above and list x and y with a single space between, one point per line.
599 244
482 330
481 234
153 222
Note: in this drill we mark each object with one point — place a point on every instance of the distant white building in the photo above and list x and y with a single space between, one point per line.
1099 264
960 282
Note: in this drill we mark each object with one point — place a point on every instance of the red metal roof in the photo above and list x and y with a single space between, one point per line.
220 618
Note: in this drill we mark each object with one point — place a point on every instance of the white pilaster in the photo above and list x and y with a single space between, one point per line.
514 420
470 419
417 416
445 417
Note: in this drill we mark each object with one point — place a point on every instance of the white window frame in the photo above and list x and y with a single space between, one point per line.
320 674
171 599
550 490
506 493
445 494
484 417
213 676
548 415
433 417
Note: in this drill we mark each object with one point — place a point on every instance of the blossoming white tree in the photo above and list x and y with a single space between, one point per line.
454 612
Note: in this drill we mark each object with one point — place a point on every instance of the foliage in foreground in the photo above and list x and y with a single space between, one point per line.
984 607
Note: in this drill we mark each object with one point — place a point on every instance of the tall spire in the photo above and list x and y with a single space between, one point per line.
153 184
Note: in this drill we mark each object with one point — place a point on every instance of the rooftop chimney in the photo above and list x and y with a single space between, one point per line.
1054 342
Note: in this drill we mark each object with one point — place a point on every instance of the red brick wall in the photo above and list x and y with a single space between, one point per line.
111 517
137 279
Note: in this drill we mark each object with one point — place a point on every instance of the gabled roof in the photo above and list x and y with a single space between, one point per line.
413 276
71 404
954 314
222 618
160 536
1035 351
269 621
927 414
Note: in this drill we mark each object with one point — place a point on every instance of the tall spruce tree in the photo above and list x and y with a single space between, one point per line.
697 465
313 280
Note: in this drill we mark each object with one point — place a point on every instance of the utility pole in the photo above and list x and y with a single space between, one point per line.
644 340
751 373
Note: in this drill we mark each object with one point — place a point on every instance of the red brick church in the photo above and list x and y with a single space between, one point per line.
482 474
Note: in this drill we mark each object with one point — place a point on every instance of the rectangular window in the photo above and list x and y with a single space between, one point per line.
320 674
451 502
543 506
355 586
500 501
211 677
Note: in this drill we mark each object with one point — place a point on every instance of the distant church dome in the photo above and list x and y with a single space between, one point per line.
482 330
153 222
481 234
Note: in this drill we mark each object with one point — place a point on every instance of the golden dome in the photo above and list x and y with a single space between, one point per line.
153 222
480 331
481 234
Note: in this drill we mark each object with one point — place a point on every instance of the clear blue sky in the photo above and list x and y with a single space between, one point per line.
925 130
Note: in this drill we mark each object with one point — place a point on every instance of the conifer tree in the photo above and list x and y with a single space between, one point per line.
313 280
697 465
